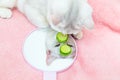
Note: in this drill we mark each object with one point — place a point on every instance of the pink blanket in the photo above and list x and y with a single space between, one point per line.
99 50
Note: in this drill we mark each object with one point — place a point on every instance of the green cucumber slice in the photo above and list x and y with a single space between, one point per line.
65 50
61 38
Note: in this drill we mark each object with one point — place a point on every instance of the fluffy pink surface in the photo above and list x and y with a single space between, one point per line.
99 50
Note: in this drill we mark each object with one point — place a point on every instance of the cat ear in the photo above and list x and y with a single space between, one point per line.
56 19
85 16
88 23
57 10
49 58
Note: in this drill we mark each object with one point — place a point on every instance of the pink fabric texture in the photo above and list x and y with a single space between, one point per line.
99 50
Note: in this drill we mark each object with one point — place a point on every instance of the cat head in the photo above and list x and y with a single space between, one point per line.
70 16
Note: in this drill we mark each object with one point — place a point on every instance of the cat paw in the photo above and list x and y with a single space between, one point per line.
5 13
78 36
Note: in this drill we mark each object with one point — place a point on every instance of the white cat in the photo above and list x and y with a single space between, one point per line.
66 16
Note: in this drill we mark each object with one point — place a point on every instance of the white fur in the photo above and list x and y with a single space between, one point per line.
7 3
5 6
5 13
67 16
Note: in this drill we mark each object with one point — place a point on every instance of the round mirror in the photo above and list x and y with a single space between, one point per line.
36 48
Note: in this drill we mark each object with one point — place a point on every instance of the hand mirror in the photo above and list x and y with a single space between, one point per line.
34 52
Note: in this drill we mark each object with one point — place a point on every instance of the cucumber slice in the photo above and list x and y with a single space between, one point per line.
65 50
61 38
